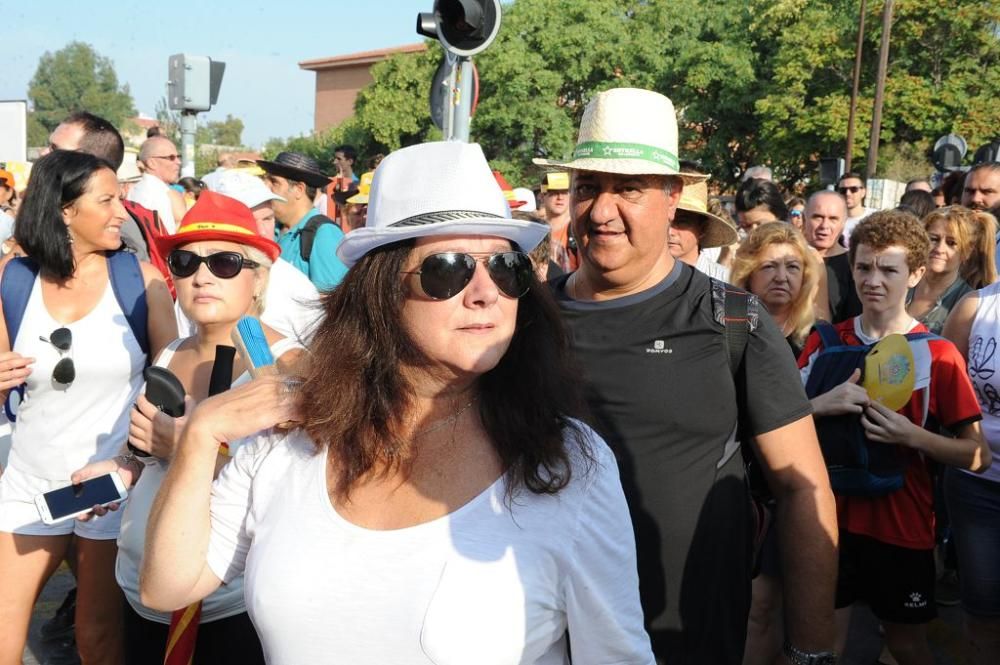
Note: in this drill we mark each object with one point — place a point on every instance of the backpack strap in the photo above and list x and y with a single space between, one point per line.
738 312
307 236
15 290
130 292
827 334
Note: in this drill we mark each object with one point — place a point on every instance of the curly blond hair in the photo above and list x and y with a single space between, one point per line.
887 228
748 260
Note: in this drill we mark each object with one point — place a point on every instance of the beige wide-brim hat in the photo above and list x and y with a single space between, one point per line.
716 231
436 189
627 131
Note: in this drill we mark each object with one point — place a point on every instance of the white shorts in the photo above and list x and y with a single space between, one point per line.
18 513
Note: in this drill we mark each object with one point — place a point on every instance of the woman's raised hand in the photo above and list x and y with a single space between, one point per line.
239 412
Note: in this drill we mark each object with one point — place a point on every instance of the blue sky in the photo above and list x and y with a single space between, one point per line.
260 42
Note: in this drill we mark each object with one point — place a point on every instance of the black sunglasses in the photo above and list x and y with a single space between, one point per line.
65 371
852 189
224 265
445 275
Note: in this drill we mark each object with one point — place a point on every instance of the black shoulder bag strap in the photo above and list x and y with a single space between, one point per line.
307 236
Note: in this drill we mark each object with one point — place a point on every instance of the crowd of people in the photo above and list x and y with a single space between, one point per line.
608 417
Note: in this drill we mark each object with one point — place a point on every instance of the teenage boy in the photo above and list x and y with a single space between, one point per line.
887 542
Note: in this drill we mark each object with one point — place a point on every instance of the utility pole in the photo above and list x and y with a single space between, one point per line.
854 89
883 66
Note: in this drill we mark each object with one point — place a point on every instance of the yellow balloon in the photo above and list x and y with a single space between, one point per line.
889 373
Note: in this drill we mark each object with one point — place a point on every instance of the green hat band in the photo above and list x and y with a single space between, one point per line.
603 150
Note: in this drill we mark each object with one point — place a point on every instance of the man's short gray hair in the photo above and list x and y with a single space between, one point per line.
758 172
825 192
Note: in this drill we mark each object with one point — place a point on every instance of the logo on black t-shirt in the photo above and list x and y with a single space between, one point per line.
659 346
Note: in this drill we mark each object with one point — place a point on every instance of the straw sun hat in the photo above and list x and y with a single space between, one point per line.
627 131
716 232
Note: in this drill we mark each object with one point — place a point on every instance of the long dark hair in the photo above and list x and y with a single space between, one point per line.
57 180
355 397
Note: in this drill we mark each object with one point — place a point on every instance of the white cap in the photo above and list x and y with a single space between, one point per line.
245 188
526 195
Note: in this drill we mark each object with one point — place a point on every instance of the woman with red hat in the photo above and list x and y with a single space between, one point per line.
220 266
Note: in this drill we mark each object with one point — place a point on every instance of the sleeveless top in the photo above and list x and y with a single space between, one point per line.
984 363
227 600
61 428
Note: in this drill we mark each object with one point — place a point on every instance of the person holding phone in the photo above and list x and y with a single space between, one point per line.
220 266
79 353
439 503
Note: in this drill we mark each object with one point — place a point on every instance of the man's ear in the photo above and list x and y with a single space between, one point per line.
916 276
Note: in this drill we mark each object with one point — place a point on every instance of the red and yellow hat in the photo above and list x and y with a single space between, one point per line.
218 217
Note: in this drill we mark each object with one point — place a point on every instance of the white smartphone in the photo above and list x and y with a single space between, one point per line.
72 501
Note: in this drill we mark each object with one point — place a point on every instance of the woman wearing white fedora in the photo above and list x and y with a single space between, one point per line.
438 504
650 335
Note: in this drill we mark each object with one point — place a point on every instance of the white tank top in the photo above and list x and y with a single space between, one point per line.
227 600
59 428
984 370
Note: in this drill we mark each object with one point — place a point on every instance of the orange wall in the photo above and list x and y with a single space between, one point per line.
336 91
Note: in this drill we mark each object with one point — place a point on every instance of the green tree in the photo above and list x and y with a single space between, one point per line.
77 78
228 132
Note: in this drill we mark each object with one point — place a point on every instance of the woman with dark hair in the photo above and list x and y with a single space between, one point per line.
80 363
438 504
759 201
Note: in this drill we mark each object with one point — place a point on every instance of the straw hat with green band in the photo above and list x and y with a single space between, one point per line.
627 131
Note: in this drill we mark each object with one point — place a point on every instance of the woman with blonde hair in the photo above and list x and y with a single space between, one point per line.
957 255
981 269
775 264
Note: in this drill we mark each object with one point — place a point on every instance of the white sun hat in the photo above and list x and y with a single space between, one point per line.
436 189
627 131
248 189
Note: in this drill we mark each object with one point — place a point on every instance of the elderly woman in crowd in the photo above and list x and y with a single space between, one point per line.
438 504
220 266
953 235
79 350
775 264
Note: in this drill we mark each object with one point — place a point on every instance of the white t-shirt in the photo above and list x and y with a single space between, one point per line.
852 222
712 268
151 192
485 584
227 600
291 304
6 226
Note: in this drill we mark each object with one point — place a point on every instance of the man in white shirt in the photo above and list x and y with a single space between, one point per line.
161 166
852 187
291 302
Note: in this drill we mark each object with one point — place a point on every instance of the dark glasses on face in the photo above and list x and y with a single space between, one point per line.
853 189
445 275
65 371
224 265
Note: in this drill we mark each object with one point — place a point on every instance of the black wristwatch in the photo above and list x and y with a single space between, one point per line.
799 657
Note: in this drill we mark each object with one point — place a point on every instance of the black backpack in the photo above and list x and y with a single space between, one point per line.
857 466
307 236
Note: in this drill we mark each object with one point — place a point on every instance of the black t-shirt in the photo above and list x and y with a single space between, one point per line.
662 395
844 301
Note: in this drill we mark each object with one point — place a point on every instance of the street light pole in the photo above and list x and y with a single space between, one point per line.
854 89
883 66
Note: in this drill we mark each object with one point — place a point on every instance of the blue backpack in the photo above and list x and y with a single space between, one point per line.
857 466
126 281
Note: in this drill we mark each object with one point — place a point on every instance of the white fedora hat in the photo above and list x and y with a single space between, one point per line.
436 189
628 131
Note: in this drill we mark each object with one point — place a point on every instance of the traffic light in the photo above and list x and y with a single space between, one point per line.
464 27
193 82
949 151
988 153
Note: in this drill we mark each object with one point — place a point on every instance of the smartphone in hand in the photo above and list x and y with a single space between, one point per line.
72 501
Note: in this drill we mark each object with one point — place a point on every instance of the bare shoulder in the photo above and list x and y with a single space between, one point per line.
150 273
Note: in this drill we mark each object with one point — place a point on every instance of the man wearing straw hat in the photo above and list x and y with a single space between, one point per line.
695 229
663 394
